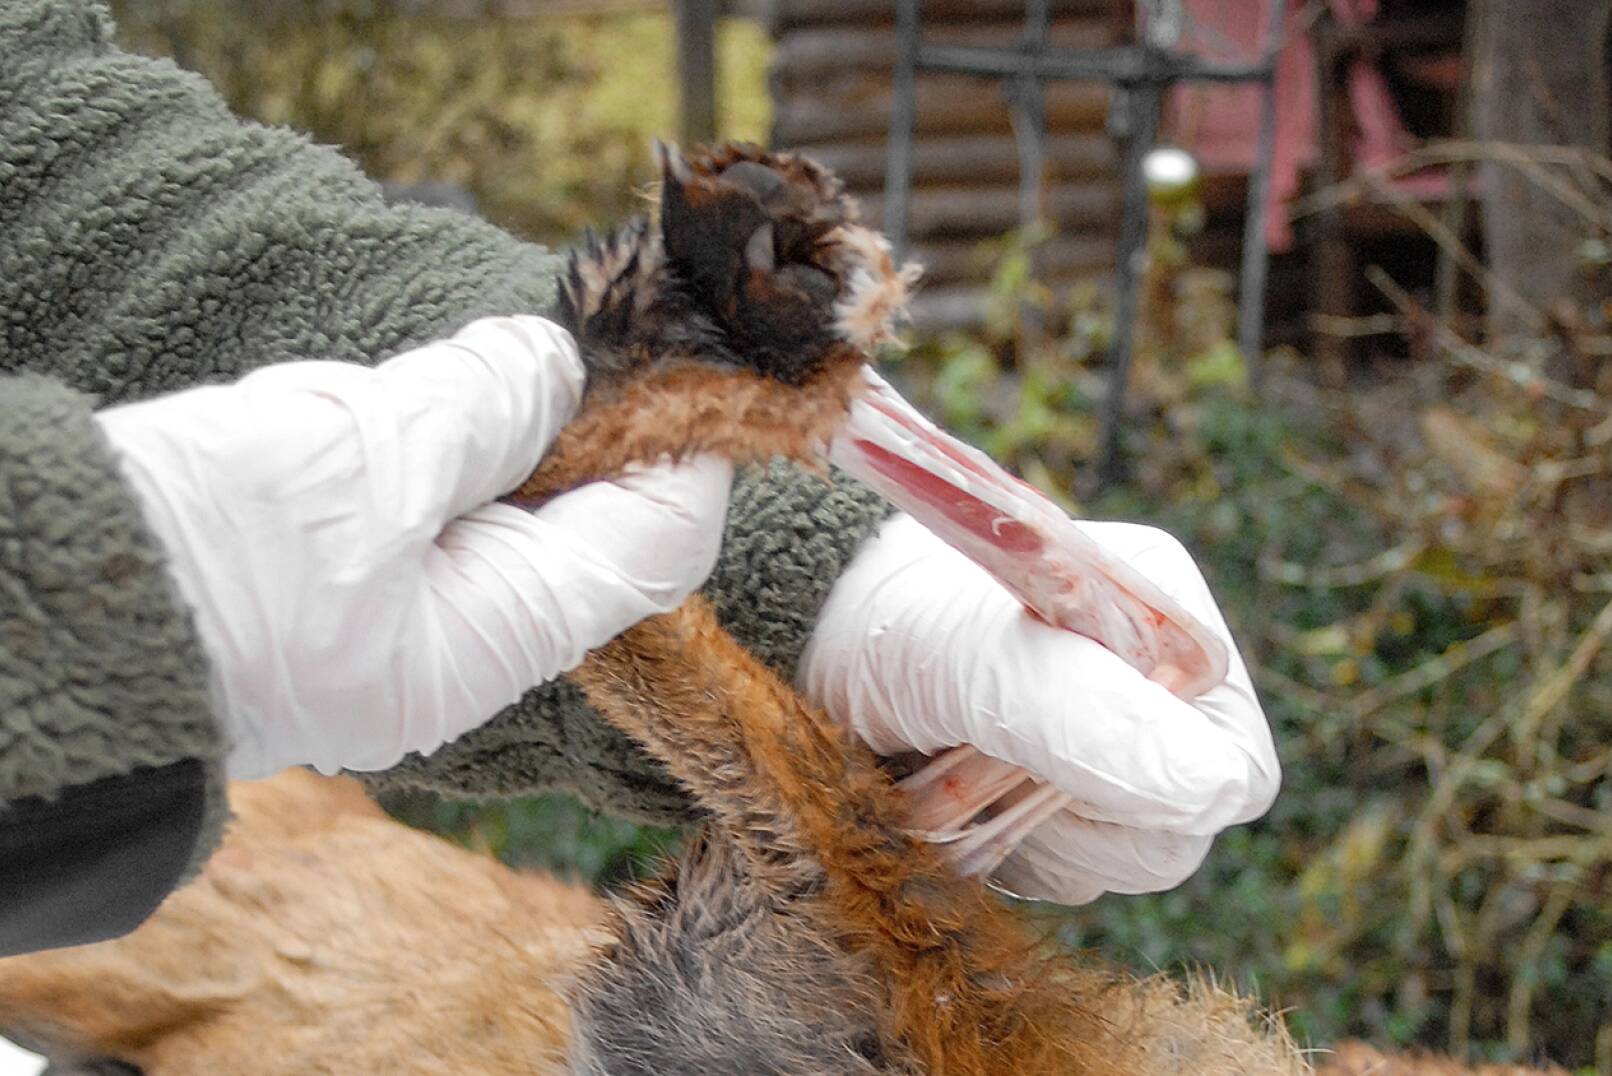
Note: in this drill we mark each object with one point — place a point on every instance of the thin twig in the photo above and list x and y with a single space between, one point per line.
1558 848
1530 163
1356 327
1342 576
1441 667
1555 687
1523 980
1451 151
1554 472
1284 686
1447 241
1467 354
1573 815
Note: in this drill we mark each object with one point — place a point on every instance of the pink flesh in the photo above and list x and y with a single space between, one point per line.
959 783
1023 539
1033 549
974 781
980 849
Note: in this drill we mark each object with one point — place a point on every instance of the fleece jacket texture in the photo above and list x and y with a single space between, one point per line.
150 241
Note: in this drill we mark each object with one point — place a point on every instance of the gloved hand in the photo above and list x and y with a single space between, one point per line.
358 595
919 649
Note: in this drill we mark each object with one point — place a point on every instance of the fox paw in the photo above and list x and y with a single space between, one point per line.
757 260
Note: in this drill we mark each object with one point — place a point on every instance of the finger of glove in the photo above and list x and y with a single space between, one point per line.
1069 856
390 454
474 414
1072 891
1232 705
454 423
918 648
520 597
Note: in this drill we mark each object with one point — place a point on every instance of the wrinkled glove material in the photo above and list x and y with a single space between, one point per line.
359 592
919 649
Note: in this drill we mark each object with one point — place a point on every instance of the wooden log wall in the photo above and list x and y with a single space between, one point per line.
831 93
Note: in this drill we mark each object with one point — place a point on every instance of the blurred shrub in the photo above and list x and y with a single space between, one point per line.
545 120
553 833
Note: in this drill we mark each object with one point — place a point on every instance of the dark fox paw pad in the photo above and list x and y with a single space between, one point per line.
758 260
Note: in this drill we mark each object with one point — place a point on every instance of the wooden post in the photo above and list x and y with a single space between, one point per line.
1136 114
1030 120
903 122
1251 288
1335 266
696 69
1540 77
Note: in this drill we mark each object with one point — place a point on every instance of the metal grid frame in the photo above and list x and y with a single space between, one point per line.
1140 75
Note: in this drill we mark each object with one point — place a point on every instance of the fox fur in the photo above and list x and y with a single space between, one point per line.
953 980
325 938
756 249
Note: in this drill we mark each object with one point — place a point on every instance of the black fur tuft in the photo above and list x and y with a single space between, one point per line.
754 263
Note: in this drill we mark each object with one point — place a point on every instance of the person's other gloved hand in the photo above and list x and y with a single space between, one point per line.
919 649
356 591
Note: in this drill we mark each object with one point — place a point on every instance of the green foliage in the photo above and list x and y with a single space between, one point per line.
553 833
547 121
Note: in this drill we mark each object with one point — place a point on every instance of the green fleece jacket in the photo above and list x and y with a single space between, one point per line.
150 241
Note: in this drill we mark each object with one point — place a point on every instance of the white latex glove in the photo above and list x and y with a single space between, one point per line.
15 1061
919 649
357 592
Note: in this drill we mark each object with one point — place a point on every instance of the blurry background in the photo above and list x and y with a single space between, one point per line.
1410 524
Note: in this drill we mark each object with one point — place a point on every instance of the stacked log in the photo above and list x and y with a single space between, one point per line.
831 87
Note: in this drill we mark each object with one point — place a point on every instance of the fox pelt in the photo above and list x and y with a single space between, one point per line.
324 939
806 834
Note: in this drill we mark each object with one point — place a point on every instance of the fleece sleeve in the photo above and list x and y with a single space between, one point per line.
150 241
108 751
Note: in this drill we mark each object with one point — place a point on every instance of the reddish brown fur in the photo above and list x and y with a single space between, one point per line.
685 409
325 938
967 987
970 989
